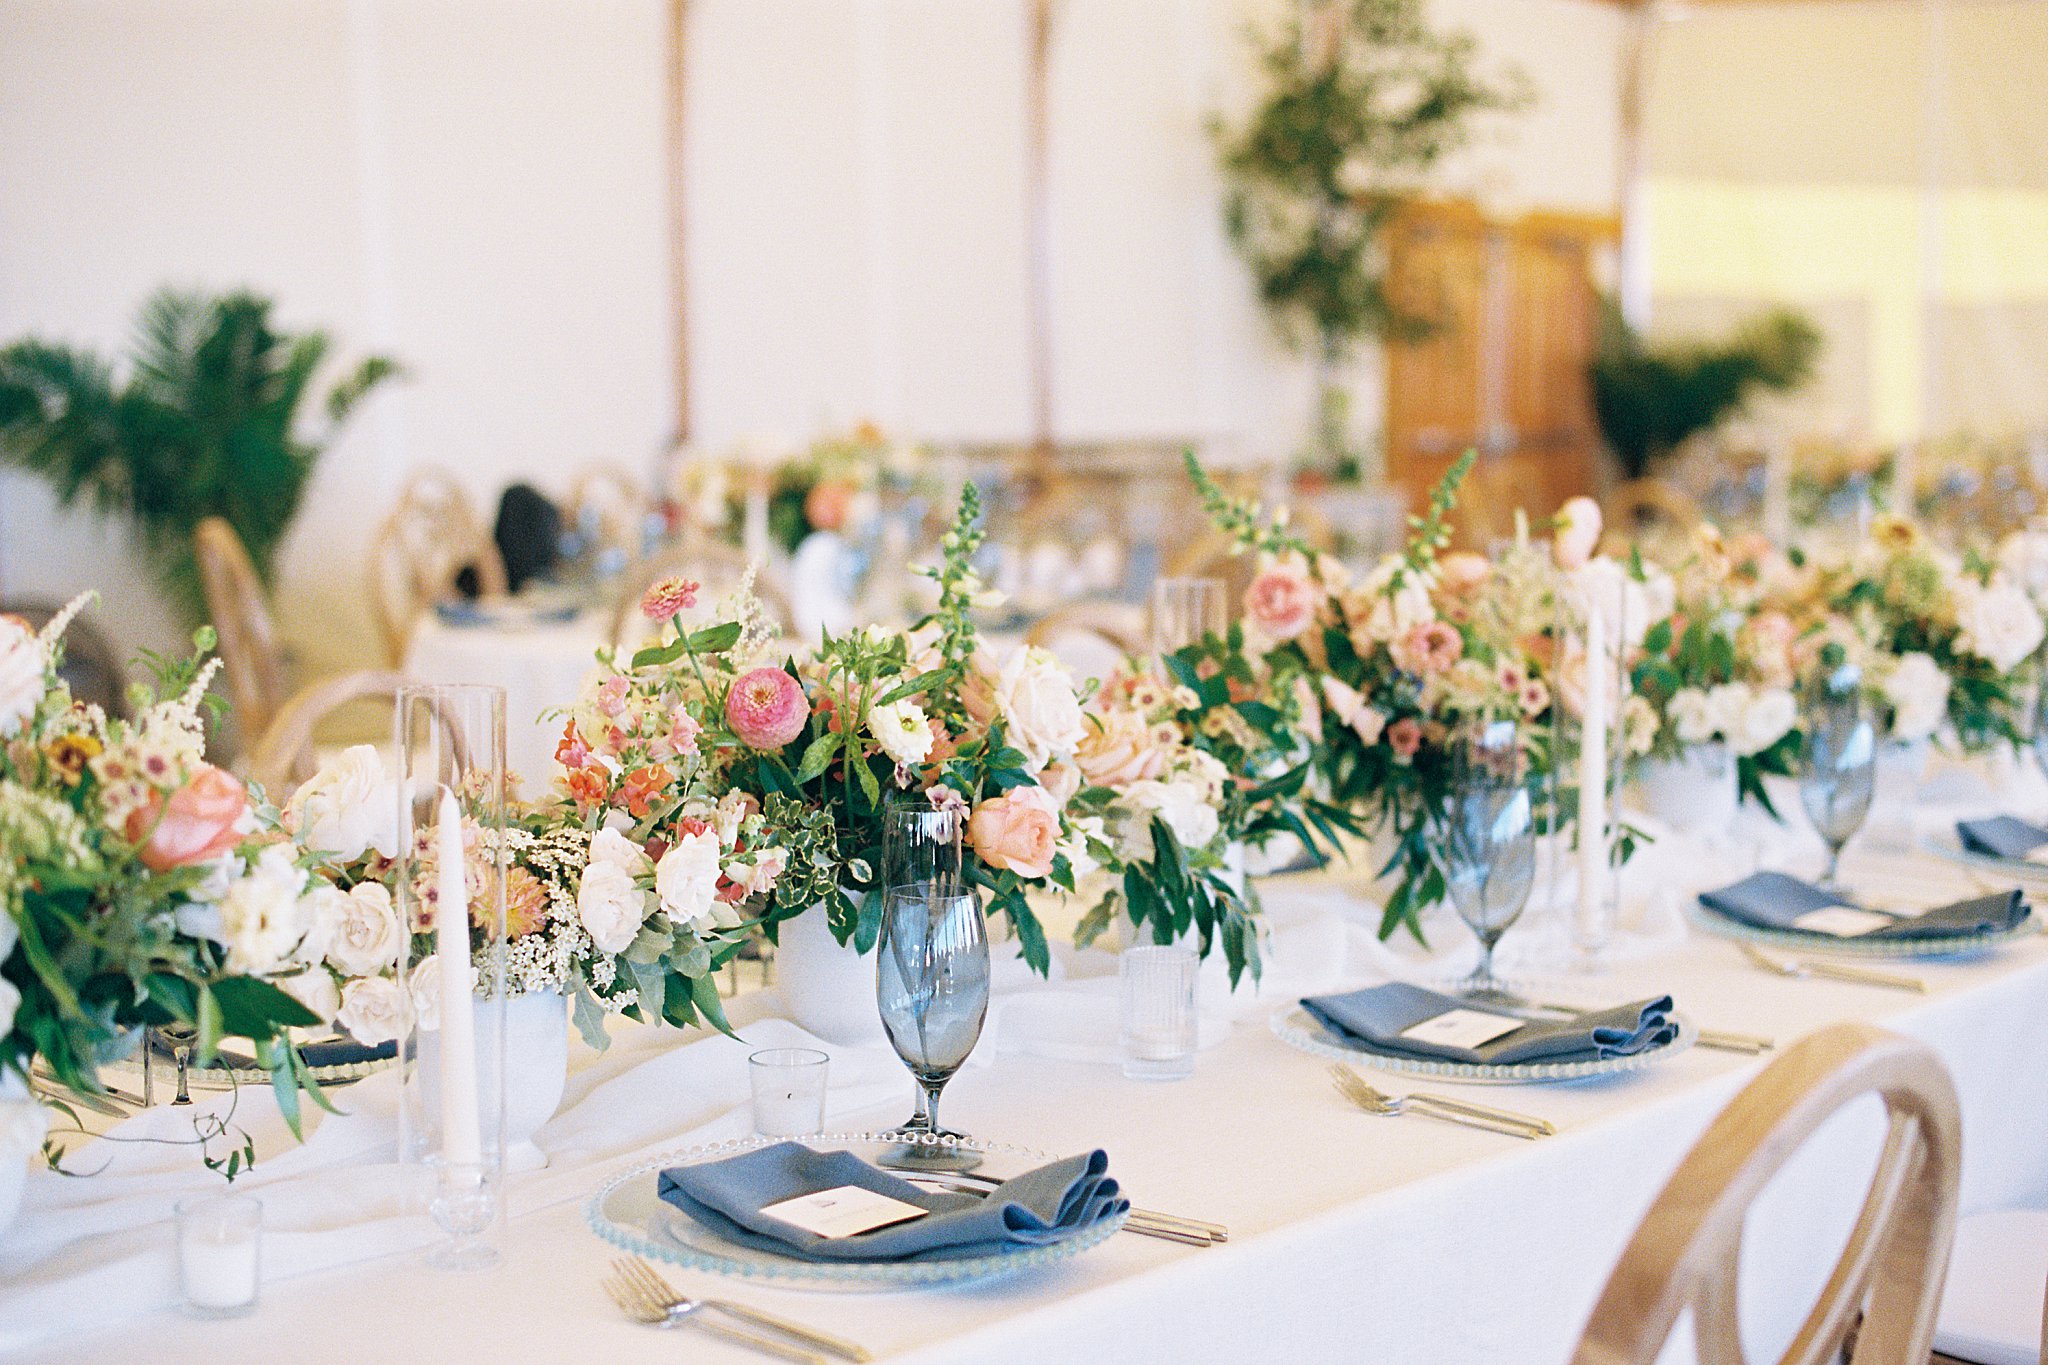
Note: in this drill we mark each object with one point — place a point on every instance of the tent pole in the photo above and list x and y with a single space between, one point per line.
1637 50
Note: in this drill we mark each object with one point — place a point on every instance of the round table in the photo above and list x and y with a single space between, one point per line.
539 666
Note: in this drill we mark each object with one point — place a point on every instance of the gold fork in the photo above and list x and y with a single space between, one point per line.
644 1308
1800 968
662 1292
1354 1088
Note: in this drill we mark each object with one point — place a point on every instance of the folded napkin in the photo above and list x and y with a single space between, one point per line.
1772 900
1379 1016
2001 837
1043 1206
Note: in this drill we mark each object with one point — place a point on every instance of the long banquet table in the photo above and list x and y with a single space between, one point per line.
1353 1237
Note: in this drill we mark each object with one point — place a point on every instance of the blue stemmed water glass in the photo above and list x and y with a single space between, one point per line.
1490 851
1839 778
931 984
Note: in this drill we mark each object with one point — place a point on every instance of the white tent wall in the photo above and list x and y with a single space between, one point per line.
1791 150
479 188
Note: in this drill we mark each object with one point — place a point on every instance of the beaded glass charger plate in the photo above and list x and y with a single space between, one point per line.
1297 1028
234 1068
628 1212
1798 941
1947 844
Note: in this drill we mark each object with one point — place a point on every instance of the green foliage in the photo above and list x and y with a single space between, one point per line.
1362 99
1649 399
207 423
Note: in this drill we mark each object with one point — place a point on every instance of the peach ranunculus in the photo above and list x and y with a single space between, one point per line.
1118 750
1019 830
1281 601
197 823
1576 532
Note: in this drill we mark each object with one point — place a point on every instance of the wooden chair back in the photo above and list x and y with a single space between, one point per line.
251 657
717 566
1111 624
427 540
1687 1250
284 756
609 505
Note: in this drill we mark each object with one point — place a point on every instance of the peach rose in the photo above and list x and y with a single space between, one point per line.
196 824
827 504
1281 601
1019 831
1118 750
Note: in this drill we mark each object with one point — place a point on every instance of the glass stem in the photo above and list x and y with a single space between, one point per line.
1834 862
930 1104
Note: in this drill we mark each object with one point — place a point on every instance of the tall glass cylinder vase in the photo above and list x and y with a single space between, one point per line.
1186 611
451 981
1602 611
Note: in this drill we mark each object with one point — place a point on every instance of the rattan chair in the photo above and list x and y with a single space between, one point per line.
252 659
285 756
1686 1252
425 543
718 567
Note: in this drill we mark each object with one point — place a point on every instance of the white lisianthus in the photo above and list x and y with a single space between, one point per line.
24 664
1917 689
686 880
372 1010
2000 624
902 730
1034 695
315 989
610 846
348 807
611 905
1770 715
1075 847
1190 818
1691 719
356 930
265 914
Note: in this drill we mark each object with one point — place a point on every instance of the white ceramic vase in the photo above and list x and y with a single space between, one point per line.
827 988
1696 792
536 1071
22 1125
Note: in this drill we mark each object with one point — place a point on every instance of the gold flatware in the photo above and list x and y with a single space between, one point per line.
1801 968
1734 1042
1354 1088
631 1292
1168 1227
1719 1039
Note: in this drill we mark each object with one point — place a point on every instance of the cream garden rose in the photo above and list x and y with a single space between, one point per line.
347 808
1034 696
610 904
686 880
372 1010
23 662
357 929
1999 622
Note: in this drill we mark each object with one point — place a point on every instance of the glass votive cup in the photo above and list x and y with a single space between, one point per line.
220 1254
789 1091
1156 1011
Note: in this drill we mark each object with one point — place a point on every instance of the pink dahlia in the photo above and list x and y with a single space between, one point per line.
668 596
766 708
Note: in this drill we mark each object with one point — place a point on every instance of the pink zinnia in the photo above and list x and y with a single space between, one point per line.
766 708
669 596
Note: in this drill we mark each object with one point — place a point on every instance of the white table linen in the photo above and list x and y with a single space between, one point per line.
1353 1237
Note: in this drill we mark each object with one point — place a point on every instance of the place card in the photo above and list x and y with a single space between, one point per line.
1462 1028
1841 921
844 1211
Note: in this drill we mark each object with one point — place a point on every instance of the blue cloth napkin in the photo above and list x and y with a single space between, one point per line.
2001 837
1772 900
1040 1207
1375 1018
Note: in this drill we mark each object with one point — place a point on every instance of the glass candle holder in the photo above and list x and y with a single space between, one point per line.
789 1091
220 1254
1186 611
1156 1011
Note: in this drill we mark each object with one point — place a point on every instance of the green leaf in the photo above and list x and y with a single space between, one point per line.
714 639
704 994
817 755
660 656
250 1008
588 1013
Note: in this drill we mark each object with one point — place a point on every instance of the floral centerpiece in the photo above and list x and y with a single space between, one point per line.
142 886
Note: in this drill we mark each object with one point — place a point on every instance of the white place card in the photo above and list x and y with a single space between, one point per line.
1841 921
1462 1028
845 1211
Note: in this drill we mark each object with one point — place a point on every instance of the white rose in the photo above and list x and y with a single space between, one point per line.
425 985
1691 720
1917 689
1771 714
372 1010
902 730
686 880
10 1000
346 808
610 846
2000 624
1192 820
265 914
2024 556
611 905
1042 717
358 932
315 989
24 666
1727 705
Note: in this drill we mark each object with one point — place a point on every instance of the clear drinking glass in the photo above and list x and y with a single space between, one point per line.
1840 774
921 848
789 1091
2038 734
1156 1011
1186 611
931 984
1490 851
220 1254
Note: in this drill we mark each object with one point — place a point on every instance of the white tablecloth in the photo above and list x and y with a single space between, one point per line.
539 667
1353 1237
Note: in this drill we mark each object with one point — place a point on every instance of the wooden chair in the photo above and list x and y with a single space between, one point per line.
1090 638
91 668
1687 1250
251 657
284 756
425 543
717 566
610 506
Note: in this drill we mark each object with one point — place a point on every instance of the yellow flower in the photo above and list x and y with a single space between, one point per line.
69 754
1894 534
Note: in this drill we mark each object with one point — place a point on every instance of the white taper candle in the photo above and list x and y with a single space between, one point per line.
1592 929
461 1144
